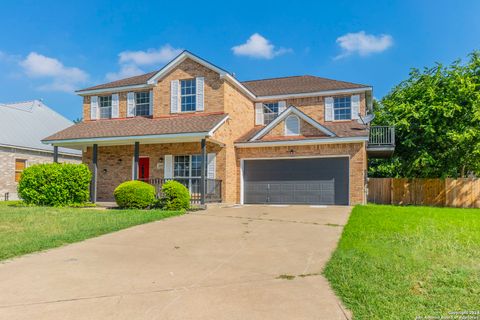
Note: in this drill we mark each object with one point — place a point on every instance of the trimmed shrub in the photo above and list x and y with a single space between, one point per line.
55 184
134 195
175 196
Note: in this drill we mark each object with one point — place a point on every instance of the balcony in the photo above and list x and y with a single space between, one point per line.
381 142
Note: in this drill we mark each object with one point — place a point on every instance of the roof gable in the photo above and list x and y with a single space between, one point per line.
284 115
178 60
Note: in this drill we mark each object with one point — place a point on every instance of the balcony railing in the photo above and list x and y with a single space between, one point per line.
381 142
213 188
382 136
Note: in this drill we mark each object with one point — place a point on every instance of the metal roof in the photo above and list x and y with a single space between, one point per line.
25 124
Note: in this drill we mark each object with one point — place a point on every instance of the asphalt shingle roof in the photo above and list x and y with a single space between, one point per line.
297 84
139 126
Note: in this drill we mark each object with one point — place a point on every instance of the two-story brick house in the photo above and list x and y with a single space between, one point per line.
283 140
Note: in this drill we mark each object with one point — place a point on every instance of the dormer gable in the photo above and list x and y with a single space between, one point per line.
292 122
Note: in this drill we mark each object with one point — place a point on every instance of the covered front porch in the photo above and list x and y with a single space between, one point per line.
154 150
196 162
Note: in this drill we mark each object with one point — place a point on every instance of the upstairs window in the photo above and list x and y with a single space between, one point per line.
270 112
342 108
142 103
188 92
105 105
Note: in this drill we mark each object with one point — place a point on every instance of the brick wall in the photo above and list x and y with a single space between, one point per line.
188 69
241 112
356 152
314 107
306 129
7 166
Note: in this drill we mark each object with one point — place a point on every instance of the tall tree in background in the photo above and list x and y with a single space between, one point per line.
436 114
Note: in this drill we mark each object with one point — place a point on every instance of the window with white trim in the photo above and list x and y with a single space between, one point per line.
342 108
142 103
187 170
270 112
105 105
188 92
292 125
187 166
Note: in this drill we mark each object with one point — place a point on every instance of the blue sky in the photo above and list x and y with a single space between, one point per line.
50 48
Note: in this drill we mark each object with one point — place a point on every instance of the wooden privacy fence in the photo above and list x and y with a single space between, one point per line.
463 193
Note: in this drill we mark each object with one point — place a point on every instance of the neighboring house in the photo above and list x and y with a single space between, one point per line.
282 140
22 126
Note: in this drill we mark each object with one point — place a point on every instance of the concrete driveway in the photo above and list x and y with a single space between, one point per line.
222 263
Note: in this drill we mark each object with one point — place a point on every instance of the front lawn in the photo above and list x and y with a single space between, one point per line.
407 262
28 229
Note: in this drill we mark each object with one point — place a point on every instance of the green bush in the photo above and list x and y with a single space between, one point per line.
134 194
175 196
55 184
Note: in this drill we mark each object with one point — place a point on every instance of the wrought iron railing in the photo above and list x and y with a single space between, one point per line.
213 188
382 136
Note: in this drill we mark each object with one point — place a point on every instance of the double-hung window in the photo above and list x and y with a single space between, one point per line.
142 103
188 91
270 112
187 170
105 104
342 108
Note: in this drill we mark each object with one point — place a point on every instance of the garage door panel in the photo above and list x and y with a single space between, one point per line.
323 181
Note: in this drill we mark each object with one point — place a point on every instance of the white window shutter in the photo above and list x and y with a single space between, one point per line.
174 96
328 109
168 167
131 104
115 103
150 100
355 100
282 105
211 165
93 107
200 84
259 114
292 125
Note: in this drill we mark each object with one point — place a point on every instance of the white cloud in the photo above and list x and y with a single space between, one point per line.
62 78
258 47
363 43
130 61
149 57
126 71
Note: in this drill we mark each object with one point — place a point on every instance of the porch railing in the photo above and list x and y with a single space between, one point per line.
382 136
213 188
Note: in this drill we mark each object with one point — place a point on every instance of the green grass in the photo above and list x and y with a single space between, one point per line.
29 229
403 262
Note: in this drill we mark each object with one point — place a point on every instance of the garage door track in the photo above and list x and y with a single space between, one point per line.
246 262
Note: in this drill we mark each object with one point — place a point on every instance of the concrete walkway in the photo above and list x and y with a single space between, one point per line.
222 263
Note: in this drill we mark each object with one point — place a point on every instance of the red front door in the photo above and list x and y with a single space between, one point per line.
143 168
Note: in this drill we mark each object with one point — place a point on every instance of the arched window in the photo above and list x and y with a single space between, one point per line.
292 126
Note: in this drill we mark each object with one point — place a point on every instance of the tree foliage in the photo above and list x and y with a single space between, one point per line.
436 115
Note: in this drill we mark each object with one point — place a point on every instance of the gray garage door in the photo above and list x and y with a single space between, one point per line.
296 181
